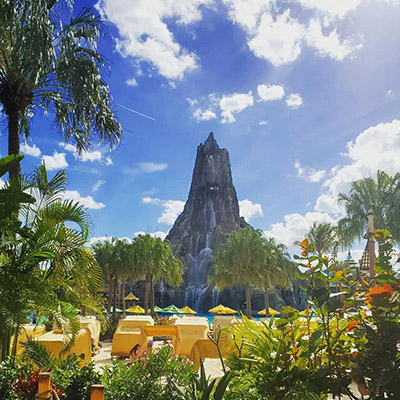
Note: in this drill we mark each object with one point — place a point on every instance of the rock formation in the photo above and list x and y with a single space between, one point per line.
211 211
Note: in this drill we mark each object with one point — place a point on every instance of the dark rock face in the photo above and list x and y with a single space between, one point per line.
211 211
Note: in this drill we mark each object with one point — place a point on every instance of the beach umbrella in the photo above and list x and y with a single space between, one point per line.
188 310
220 309
156 309
271 312
131 296
136 310
172 309
116 309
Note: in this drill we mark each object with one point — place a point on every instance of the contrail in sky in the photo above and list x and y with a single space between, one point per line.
136 112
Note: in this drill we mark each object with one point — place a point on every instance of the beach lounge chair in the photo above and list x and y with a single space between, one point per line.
55 341
128 334
191 330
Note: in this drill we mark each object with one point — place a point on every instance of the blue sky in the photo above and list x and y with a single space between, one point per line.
304 94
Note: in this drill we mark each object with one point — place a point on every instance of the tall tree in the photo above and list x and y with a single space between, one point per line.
154 258
49 61
382 196
44 264
238 261
277 268
324 237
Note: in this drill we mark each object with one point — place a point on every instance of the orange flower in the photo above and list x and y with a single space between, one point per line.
353 325
304 244
385 291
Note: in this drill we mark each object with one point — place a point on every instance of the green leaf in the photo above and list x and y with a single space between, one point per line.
8 162
315 336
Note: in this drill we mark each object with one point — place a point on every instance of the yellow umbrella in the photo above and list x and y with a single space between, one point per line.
306 312
131 296
136 310
188 310
271 312
220 309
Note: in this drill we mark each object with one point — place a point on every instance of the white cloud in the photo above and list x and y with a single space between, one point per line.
331 8
56 161
152 167
270 92
309 174
249 210
144 33
277 40
33 151
233 104
328 203
295 226
329 45
109 161
389 92
131 82
172 208
87 201
294 101
376 148
158 234
98 184
263 123
274 35
85 155
106 239
205 115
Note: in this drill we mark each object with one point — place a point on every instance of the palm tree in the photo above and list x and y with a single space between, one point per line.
382 196
276 270
154 259
49 61
324 237
238 261
44 264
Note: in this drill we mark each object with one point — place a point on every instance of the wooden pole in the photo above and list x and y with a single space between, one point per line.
371 243
97 392
44 385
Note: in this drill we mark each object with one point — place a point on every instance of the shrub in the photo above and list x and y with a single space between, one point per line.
154 377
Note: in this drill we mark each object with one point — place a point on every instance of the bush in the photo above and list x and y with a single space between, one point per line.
153 377
74 381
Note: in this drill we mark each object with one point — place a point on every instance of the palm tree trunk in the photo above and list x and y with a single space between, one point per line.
123 299
152 294
119 304
110 281
146 295
266 300
248 300
114 299
13 138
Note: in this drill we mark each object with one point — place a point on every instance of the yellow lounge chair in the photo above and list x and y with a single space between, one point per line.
191 330
128 334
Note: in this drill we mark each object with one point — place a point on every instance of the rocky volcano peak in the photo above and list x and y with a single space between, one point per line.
211 211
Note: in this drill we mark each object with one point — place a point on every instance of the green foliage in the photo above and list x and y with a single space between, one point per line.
202 388
49 61
156 377
45 267
382 196
74 381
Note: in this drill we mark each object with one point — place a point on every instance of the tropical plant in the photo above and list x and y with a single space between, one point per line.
277 268
155 261
239 260
156 377
382 196
49 61
45 267
324 237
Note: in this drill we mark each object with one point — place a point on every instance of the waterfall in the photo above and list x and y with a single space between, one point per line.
200 259
162 292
